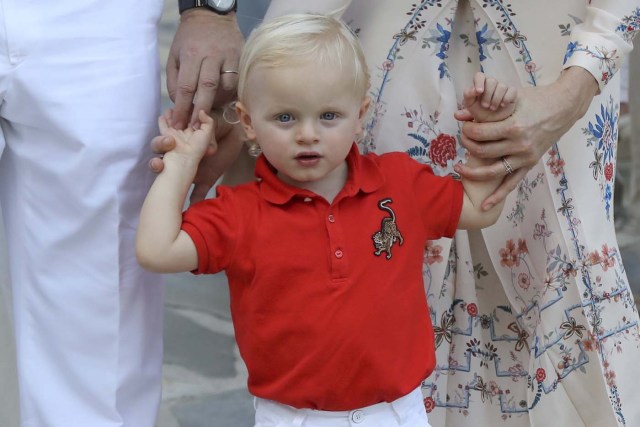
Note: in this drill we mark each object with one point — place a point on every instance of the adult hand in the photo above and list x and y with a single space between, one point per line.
205 45
541 116
225 147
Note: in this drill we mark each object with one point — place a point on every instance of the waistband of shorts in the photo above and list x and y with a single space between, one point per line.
398 406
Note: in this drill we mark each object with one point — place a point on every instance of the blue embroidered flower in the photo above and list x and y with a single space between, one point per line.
606 131
571 48
444 37
482 40
630 25
602 135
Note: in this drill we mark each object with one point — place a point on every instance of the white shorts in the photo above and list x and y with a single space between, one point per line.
407 411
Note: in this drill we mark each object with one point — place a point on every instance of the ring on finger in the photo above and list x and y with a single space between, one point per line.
228 72
507 166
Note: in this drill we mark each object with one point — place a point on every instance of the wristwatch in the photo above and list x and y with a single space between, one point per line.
221 7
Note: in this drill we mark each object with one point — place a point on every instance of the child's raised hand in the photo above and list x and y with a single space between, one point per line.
489 100
189 142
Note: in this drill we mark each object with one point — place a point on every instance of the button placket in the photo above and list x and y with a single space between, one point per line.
336 244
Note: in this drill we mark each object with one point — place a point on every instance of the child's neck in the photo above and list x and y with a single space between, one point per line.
330 185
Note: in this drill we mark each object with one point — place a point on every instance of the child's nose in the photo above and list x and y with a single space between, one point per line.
307 133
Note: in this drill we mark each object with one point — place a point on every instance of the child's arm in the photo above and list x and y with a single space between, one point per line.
486 100
161 245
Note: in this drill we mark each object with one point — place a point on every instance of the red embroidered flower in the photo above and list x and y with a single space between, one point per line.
522 246
530 67
429 404
523 281
472 309
540 375
608 171
605 77
387 65
509 255
433 253
442 149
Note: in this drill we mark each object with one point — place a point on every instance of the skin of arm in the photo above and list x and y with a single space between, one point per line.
486 100
227 143
545 113
161 246
204 45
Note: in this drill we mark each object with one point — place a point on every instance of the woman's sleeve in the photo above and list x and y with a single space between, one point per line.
600 42
283 7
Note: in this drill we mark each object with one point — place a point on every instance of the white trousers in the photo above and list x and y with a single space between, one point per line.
407 411
79 97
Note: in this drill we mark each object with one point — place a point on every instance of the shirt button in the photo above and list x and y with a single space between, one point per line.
357 416
338 254
331 218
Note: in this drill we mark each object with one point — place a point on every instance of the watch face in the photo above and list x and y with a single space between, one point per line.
222 5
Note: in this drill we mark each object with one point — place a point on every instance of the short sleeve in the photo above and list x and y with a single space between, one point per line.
214 226
439 199
600 42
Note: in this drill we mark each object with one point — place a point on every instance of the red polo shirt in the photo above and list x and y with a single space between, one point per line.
321 321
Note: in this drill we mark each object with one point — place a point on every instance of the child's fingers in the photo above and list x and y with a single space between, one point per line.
207 124
469 96
478 82
510 96
204 118
498 96
489 88
163 125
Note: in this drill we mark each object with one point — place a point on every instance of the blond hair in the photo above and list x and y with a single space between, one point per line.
298 37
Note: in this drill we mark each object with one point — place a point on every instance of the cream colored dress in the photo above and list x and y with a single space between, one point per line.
535 323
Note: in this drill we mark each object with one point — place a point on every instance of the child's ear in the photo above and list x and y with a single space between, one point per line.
245 120
362 114
364 107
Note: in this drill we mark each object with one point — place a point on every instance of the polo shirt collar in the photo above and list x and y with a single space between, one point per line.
364 175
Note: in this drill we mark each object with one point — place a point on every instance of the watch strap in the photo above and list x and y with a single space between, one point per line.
190 4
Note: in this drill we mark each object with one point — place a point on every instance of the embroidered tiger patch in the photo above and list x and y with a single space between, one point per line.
388 234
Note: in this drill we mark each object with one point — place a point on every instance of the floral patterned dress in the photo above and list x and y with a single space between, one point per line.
534 320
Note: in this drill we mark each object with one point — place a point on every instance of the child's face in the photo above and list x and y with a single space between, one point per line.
305 118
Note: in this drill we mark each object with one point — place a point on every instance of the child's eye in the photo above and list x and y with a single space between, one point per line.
328 116
284 118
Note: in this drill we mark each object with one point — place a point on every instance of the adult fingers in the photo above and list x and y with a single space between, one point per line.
229 75
487 149
207 87
156 164
487 131
185 90
162 144
463 115
482 173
